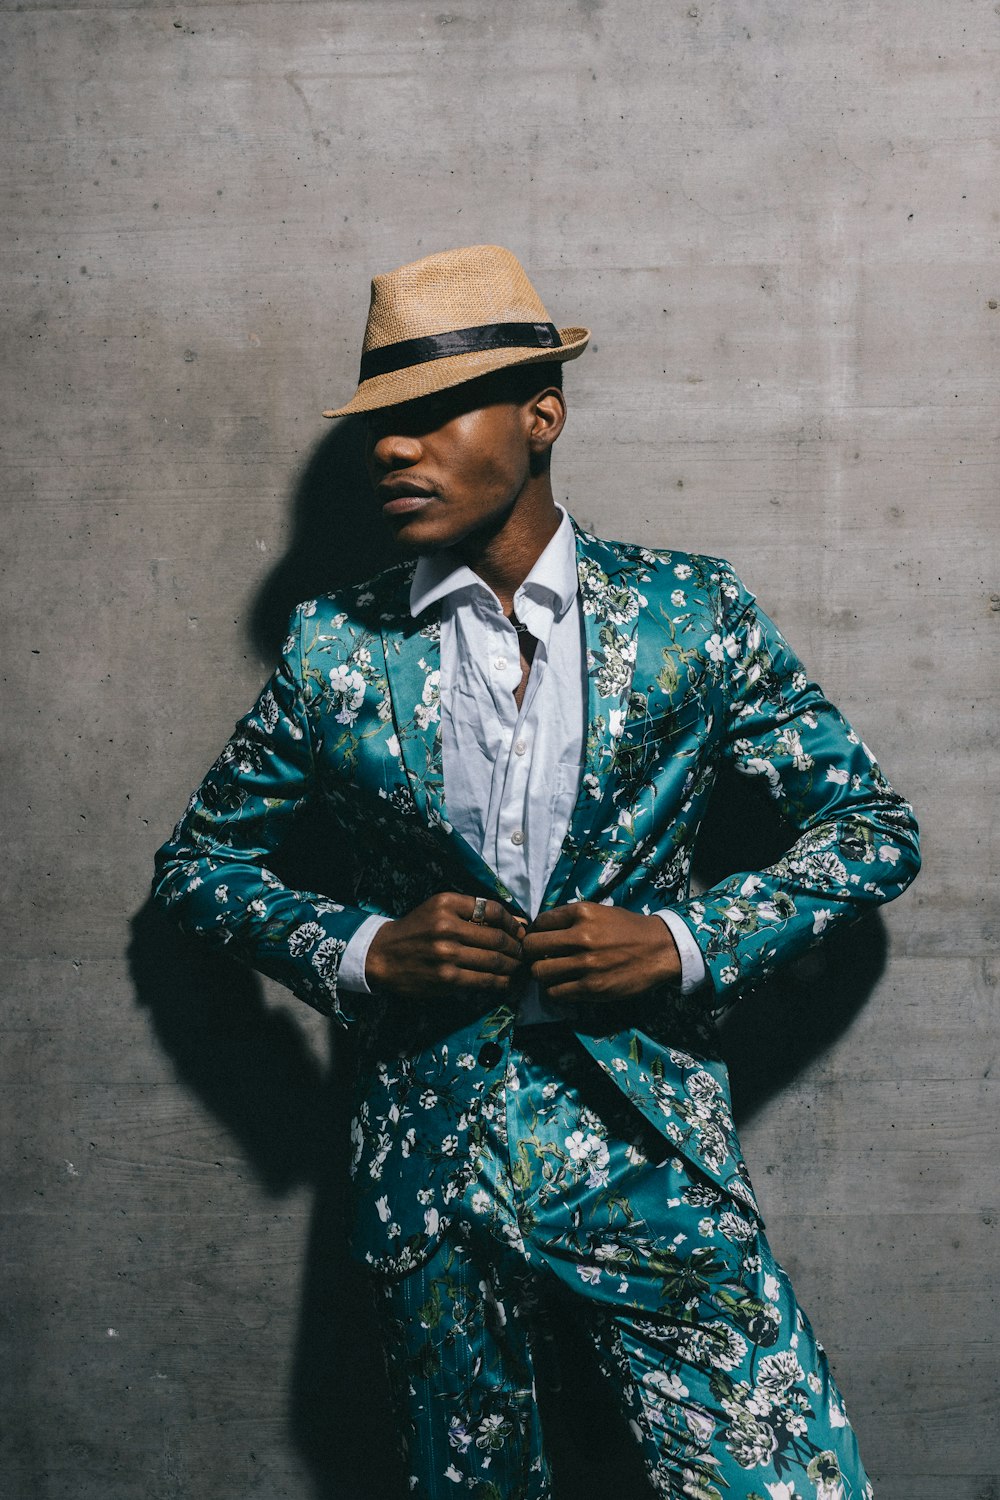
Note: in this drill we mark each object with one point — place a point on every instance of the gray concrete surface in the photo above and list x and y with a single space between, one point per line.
781 220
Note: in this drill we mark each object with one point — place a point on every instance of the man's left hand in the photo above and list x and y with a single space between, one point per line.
589 952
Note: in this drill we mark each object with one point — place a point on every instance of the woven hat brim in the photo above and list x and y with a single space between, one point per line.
414 381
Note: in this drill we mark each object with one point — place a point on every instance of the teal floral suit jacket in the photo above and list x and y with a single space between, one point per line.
685 675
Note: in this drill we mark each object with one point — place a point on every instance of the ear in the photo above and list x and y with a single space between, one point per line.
547 417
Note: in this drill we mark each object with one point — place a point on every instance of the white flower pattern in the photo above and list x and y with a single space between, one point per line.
687 676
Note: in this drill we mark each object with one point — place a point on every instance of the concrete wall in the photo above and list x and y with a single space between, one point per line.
780 219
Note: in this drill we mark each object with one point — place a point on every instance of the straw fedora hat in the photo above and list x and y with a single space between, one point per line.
449 318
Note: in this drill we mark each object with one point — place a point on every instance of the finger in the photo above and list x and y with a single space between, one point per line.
474 979
558 918
590 985
556 944
581 993
550 971
486 961
498 916
483 957
494 915
493 939
580 936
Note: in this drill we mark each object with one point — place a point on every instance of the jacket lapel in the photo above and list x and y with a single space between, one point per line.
611 603
413 671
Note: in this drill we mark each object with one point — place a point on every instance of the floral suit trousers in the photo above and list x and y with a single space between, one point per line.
579 1210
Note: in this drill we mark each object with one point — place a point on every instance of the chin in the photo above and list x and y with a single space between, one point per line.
417 540
419 534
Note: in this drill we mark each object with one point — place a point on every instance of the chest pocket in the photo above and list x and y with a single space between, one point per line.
565 790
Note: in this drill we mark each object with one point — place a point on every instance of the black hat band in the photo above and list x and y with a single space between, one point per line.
487 336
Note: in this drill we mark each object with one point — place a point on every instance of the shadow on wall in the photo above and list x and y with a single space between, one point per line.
337 535
254 1068
256 1071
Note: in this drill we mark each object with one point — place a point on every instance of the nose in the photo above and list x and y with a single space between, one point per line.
389 449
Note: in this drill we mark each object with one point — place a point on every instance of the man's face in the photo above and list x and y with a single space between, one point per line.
448 466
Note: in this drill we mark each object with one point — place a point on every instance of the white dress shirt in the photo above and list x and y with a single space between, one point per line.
511 776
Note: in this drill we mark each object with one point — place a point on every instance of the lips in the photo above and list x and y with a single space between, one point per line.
403 499
404 505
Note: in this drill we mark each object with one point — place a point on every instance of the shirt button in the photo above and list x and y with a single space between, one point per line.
520 746
517 837
489 1055
501 663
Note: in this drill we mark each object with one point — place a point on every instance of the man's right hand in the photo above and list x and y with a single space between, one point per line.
438 947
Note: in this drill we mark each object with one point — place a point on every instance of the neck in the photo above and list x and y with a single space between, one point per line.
504 558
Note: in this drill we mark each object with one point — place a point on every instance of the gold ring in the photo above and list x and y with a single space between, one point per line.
479 911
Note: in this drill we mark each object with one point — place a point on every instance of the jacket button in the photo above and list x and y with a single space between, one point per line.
489 1055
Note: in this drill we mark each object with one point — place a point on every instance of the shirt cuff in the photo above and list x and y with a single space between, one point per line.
692 963
351 973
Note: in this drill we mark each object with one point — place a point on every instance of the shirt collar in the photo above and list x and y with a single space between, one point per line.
552 583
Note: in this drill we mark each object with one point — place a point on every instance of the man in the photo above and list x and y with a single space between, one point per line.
512 739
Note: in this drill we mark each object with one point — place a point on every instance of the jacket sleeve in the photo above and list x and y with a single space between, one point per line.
857 843
212 873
